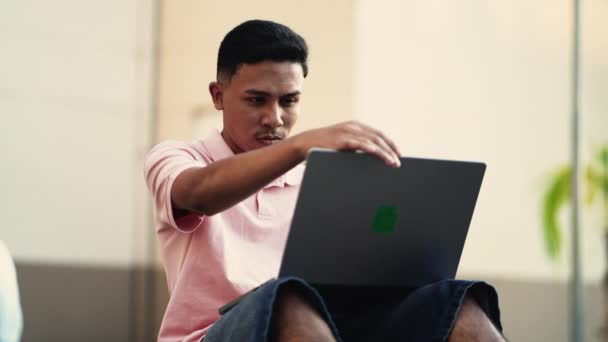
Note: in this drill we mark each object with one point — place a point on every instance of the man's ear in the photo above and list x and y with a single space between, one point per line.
217 92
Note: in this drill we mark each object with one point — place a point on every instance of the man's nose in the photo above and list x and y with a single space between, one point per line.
272 116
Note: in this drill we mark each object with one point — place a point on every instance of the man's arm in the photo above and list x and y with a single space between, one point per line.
214 188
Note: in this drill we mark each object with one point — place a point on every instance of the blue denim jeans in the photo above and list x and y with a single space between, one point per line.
354 314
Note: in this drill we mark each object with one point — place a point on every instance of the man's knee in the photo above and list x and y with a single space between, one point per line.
296 318
473 324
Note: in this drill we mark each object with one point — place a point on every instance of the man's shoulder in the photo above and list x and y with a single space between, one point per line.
170 155
210 149
166 148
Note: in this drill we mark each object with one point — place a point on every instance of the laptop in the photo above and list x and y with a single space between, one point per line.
359 222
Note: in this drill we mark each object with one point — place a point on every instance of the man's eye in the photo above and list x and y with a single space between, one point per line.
255 100
289 101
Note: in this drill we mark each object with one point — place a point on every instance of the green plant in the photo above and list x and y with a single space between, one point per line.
558 194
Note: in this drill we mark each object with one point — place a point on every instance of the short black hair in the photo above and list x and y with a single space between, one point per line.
256 41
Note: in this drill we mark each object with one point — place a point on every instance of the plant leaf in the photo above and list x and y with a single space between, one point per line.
557 194
603 158
593 184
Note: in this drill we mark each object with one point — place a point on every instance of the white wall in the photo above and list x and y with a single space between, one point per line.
74 112
488 81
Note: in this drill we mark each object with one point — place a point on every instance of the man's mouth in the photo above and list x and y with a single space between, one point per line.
269 139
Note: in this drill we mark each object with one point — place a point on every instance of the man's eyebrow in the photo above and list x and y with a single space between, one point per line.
257 92
265 93
293 93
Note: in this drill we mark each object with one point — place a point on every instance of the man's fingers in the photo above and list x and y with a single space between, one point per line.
386 148
380 140
367 145
388 142
367 139
393 146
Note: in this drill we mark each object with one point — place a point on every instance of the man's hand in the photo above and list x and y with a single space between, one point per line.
350 136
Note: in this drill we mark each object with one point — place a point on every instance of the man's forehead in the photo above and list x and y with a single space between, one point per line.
266 76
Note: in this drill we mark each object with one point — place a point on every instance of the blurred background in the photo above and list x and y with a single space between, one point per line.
88 87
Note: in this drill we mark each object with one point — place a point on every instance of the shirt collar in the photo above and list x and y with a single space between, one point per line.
218 149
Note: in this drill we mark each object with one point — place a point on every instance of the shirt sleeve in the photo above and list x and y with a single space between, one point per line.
162 165
11 316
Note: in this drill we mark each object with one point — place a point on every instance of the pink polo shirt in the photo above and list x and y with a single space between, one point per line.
211 260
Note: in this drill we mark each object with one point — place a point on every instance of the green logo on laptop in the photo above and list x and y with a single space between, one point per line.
385 219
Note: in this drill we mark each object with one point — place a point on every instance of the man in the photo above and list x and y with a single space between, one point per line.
224 205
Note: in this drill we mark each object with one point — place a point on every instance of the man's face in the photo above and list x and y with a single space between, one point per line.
261 103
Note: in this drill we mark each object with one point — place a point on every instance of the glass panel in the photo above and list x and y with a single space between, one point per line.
594 166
